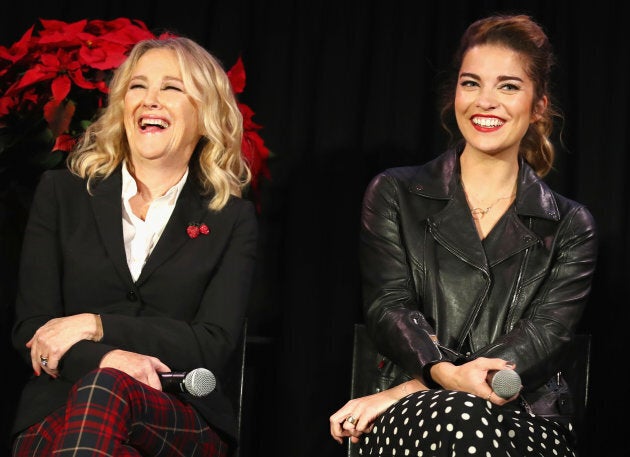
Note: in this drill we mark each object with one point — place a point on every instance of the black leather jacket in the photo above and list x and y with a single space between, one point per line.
517 295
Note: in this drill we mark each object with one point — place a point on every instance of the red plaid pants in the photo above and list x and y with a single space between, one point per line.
109 413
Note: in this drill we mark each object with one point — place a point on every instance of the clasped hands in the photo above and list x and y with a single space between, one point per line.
358 415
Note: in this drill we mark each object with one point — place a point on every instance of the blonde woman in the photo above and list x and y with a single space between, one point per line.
137 260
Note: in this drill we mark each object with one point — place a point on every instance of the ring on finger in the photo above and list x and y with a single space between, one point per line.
352 419
43 360
489 395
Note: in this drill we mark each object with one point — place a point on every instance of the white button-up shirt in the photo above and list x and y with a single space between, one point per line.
141 236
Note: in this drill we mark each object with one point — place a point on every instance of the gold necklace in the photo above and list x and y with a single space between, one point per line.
479 213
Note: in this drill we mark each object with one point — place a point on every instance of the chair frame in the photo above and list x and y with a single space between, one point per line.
235 383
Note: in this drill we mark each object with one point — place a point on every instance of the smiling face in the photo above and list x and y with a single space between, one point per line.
494 100
161 120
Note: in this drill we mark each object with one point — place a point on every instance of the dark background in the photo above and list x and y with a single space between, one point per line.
344 89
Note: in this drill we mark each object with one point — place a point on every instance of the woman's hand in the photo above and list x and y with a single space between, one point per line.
357 416
472 377
142 367
53 339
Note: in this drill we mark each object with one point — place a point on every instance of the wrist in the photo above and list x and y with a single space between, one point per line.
411 386
427 376
98 332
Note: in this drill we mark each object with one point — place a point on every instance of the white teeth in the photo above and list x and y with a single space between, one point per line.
157 122
487 122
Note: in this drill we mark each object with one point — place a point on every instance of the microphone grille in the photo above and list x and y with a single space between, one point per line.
200 382
506 383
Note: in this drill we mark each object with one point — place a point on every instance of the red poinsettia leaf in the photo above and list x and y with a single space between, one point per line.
246 111
130 36
64 142
124 32
31 96
103 55
58 116
50 60
100 27
34 75
79 80
256 154
59 32
236 75
248 114
6 105
254 147
102 87
50 110
68 60
55 25
19 48
60 87
121 30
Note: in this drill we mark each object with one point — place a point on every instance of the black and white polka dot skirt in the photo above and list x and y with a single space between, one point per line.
436 423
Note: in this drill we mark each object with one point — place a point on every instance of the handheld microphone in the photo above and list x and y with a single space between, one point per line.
504 383
198 382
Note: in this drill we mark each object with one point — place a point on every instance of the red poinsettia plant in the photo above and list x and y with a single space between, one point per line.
54 80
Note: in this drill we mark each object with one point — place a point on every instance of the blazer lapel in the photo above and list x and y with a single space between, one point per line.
107 208
190 207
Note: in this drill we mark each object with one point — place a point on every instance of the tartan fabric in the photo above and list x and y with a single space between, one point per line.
110 414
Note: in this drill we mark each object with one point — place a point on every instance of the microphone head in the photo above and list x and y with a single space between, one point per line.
200 382
506 383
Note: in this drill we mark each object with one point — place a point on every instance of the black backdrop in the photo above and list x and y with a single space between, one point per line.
344 89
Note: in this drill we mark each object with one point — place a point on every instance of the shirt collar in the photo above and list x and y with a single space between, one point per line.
130 188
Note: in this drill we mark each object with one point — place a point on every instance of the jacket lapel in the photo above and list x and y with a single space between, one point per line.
460 238
107 208
190 207
515 232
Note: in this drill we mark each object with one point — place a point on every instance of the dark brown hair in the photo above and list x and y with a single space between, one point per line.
523 35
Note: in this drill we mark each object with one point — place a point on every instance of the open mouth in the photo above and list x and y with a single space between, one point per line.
144 123
487 122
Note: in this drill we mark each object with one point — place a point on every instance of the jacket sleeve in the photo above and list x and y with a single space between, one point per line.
391 310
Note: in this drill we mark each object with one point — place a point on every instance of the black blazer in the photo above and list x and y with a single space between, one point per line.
187 307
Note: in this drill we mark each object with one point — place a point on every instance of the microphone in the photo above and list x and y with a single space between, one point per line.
198 382
504 383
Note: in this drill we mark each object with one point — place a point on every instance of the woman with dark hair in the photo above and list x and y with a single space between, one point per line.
137 260
471 265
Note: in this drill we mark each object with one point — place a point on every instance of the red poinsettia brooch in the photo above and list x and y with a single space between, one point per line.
195 229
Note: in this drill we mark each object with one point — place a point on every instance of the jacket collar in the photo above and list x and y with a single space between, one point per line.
439 178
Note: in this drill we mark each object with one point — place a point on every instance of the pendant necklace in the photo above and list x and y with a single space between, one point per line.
478 213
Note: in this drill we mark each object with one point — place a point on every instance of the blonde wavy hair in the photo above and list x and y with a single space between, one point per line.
217 163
